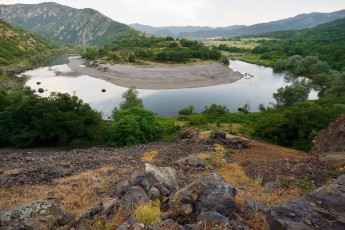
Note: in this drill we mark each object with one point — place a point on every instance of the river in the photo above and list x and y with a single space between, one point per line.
256 88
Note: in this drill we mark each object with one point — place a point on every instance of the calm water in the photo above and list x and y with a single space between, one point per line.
255 90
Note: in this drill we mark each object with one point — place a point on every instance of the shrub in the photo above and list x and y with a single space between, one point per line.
148 214
215 109
134 126
29 120
187 110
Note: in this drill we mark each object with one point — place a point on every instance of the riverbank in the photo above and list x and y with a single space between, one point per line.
159 76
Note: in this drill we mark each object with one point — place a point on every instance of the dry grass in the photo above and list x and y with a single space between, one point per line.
246 187
149 156
73 194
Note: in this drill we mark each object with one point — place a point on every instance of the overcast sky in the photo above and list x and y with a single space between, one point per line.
199 12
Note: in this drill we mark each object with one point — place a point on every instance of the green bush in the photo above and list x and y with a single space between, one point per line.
215 109
187 110
134 126
29 120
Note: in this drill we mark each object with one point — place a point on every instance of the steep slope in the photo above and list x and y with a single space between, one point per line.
64 24
299 22
17 44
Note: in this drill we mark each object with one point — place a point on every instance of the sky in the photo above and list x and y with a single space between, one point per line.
199 12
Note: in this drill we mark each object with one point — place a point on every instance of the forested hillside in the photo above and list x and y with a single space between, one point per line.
326 41
64 24
23 48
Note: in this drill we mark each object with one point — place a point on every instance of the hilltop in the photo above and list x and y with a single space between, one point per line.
64 24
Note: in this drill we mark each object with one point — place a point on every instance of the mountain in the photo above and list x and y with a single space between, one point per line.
301 21
17 44
173 31
62 23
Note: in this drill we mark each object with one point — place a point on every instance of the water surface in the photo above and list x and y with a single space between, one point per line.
256 88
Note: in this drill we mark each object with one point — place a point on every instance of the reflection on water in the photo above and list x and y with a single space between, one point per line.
256 88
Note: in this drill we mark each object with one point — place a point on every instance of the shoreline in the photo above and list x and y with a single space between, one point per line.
159 76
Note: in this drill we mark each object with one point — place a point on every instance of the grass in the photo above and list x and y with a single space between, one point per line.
149 156
247 43
76 193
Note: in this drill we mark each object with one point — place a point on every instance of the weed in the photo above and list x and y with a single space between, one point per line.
306 186
149 214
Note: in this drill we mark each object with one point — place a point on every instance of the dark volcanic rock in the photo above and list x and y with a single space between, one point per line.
193 160
213 218
121 188
218 135
322 209
209 193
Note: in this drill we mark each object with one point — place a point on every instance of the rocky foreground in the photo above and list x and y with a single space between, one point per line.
201 181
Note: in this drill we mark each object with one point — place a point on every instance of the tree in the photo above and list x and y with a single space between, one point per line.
131 99
134 126
290 94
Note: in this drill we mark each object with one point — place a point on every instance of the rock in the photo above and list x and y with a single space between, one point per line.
103 90
93 211
38 83
324 208
139 178
66 219
121 188
41 90
154 193
109 205
213 219
251 207
165 176
177 207
218 195
31 216
218 135
193 160
167 224
270 186
138 226
209 193
185 135
163 191
135 196
124 226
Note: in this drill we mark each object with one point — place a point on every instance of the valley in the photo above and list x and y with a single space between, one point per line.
108 126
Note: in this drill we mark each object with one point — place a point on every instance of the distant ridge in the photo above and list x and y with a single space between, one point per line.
300 21
64 24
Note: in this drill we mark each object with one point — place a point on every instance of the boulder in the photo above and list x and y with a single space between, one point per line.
193 160
208 193
322 209
251 207
66 219
181 202
121 188
135 196
139 178
41 90
165 176
36 215
154 193
218 135
213 219
93 211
